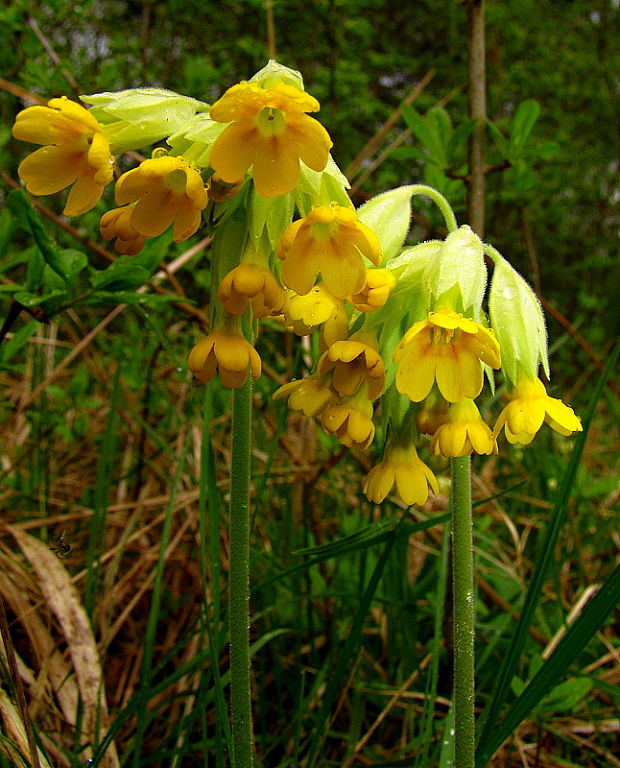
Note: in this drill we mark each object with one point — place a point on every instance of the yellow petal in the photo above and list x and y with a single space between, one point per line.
84 195
276 167
50 169
233 151
153 213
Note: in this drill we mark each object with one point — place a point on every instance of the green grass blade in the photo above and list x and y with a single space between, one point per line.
153 617
105 470
350 648
375 533
555 667
558 515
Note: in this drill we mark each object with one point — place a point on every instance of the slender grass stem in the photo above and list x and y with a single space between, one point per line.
239 578
463 595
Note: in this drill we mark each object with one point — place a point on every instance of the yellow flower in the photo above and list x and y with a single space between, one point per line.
167 190
318 307
74 152
228 353
330 240
117 223
463 433
447 348
270 130
529 407
251 283
351 421
379 285
309 395
402 468
354 361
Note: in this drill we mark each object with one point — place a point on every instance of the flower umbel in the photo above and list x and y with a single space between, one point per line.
447 348
529 407
75 153
402 468
463 433
269 130
330 240
166 190
228 353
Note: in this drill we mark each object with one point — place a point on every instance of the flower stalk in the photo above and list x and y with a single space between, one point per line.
239 578
464 611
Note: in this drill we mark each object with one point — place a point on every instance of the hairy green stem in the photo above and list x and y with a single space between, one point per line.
440 201
463 597
239 578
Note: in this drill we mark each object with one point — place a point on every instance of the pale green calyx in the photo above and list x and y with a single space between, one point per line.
194 139
273 73
389 217
410 266
457 277
518 321
136 117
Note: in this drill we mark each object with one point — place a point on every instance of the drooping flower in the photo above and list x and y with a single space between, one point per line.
350 420
354 362
251 283
316 308
529 407
379 285
117 224
228 353
310 395
75 153
447 348
166 190
269 130
402 468
330 240
463 433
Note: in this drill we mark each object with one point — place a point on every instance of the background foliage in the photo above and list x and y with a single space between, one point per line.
102 440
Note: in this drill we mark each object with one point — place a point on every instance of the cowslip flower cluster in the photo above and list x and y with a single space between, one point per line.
410 339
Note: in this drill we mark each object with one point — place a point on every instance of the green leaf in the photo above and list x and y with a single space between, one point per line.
27 299
29 219
7 226
460 136
565 696
11 345
499 139
426 131
522 123
120 277
128 297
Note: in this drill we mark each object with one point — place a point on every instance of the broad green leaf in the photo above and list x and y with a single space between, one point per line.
522 123
120 277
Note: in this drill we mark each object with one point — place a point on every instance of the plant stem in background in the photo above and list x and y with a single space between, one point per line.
239 578
464 606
